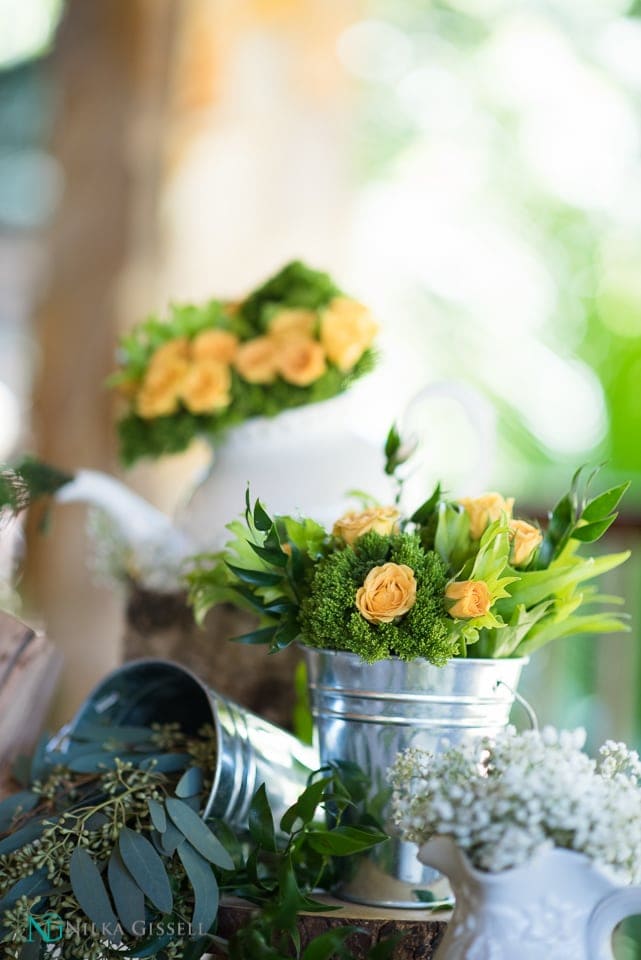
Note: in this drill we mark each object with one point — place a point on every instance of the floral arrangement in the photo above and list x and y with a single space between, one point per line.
297 339
452 576
504 800
103 848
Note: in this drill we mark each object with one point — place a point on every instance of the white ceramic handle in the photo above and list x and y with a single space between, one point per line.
604 918
479 412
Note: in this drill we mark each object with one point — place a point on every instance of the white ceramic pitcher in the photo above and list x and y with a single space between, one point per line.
558 906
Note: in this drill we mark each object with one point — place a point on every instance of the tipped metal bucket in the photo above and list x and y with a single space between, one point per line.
249 750
367 713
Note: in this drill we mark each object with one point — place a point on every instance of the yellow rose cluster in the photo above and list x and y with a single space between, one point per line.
389 590
471 598
297 346
194 372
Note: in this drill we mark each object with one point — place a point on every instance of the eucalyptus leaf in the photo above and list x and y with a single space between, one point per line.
170 838
127 895
146 868
31 950
31 831
191 783
91 894
36 884
204 885
166 762
39 762
158 815
198 834
15 805
101 732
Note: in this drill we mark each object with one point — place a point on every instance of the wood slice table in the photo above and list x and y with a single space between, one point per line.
422 929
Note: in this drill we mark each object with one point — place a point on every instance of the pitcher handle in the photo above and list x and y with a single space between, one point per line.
479 412
604 918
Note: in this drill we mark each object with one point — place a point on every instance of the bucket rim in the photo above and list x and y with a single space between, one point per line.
178 668
459 661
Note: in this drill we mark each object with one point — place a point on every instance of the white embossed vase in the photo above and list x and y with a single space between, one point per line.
558 906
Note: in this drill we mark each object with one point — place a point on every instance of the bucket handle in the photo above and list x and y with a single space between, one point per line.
525 705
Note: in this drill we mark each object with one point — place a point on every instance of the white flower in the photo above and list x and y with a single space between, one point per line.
502 801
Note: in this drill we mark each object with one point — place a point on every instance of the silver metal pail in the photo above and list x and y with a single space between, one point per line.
249 750
367 713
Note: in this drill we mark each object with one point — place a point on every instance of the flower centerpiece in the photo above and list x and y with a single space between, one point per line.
533 834
414 627
454 576
297 339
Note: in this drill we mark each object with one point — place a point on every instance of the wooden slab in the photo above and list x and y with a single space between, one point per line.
422 929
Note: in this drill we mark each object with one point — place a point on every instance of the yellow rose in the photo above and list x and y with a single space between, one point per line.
472 599
256 360
387 593
206 387
159 395
177 349
300 361
347 330
287 323
220 345
353 525
525 539
484 510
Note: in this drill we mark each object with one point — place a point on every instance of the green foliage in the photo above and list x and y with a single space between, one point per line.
575 517
302 582
330 619
296 285
118 848
26 482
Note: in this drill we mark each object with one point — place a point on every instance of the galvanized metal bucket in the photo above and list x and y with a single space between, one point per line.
249 750
367 713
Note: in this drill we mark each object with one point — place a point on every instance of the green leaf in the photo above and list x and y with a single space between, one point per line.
15 805
262 520
128 898
31 831
146 867
261 820
343 841
91 894
204 885
258 578
276 557
306 805
158 815
170 839
167 762
31 950
605 503
592 531
191 783
285 635
198 834
36 884
426 511
263 635
330 944
384 949
101 732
